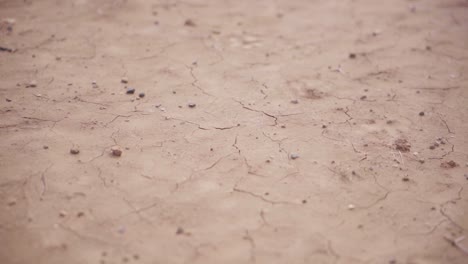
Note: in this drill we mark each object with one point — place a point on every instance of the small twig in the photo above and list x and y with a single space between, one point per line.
456 243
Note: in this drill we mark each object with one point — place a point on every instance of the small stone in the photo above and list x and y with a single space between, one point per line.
74 151
179 231
94 84
80 214
295 101
421 114
45 147
352 55
11 201
405 179
415 153
31 84
466 176
294 156
324 126
189 23
432 147
62 213
124 80
351 206
130 91
116 151
8 100
364 97
192 105
304 201
421 160
141 95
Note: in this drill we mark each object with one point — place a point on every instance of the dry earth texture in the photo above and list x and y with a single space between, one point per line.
298 131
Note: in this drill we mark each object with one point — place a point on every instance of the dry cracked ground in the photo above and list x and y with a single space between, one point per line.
317 131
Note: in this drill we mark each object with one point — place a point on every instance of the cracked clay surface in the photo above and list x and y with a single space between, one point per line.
299 131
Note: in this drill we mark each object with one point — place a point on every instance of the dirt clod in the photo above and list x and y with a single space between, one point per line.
116 151
189 23
449 164
402 145
179 231
74 151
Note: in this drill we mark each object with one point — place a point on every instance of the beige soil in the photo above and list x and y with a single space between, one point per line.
248 175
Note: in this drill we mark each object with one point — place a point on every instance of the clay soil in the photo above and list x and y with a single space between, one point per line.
287 131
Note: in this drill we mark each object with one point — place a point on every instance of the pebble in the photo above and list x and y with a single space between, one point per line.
141 95
294 156
466 176
74 151
12 201
351 206
31 84
179 231
62 213
8 100
130 91
189 23
116 151
421 113
94 83
352 55
124 80
295 101
192 105
45 147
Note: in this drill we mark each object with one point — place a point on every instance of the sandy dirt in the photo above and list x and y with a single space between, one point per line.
295 131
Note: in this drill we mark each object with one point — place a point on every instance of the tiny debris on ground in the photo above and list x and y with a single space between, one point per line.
192 105
31 84
74 151
189 23
141 95
116 151
124 80
130 91
449 164
402 145
294 156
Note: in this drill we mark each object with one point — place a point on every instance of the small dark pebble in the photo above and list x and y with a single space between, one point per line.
432 147
8 100
304 201
80 214
352 55
130 91
141 95
324 126
405 179
192 105
179 231
74 151
363 97
45 147
421 113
